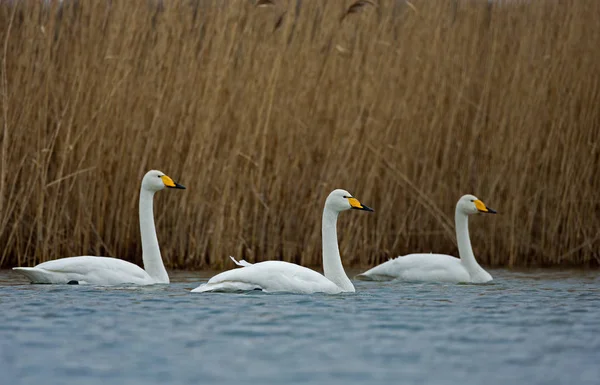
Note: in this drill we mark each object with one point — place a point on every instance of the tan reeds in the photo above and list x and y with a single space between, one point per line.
262 111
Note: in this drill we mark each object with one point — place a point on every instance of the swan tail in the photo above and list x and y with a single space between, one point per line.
225 287
373 277
35 275
241 262
363 277
378 273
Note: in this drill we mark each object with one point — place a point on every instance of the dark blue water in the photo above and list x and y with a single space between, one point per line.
525 328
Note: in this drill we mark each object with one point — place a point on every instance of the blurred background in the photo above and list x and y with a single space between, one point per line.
262 108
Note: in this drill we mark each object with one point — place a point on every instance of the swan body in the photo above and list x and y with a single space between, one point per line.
87 270
278 276
439 267
106 271
420 267
271 276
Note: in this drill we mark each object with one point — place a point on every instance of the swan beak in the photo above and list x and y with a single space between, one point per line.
483 208
170 183
357 205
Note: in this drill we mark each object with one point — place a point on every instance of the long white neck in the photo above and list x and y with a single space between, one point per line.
464 242
332 263
153 263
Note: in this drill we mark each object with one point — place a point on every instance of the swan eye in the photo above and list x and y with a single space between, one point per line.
346 197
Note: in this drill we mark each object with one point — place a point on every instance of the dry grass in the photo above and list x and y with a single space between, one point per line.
262 111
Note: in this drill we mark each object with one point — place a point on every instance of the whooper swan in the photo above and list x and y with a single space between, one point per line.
278 276
111 271
439 267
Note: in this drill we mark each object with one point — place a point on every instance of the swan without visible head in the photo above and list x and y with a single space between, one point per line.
440 267
278 276
111 271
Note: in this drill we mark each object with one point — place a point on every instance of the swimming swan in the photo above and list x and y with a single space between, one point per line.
439 267
278 276
112 271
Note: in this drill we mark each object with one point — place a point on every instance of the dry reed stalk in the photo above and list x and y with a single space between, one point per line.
262 110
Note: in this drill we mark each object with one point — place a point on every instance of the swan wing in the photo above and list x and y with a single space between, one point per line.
87 270
420 267
270 276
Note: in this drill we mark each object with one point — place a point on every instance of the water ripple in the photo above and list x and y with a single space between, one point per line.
526 327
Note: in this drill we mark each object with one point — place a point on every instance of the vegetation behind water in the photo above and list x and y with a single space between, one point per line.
262 110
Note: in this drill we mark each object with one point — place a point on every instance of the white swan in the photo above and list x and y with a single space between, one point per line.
278 276
439 267
111 271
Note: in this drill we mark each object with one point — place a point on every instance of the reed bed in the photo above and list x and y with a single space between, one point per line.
262 109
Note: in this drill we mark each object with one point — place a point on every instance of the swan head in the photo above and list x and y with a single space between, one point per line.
155 180
341 200
470 204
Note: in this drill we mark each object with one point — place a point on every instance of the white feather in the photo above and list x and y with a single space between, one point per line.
241 262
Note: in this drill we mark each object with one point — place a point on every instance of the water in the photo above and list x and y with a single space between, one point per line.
530 328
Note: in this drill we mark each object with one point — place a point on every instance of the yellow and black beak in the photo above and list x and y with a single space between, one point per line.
170 183
356 205
482 208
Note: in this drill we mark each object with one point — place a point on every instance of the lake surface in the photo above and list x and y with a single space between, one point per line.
533 327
